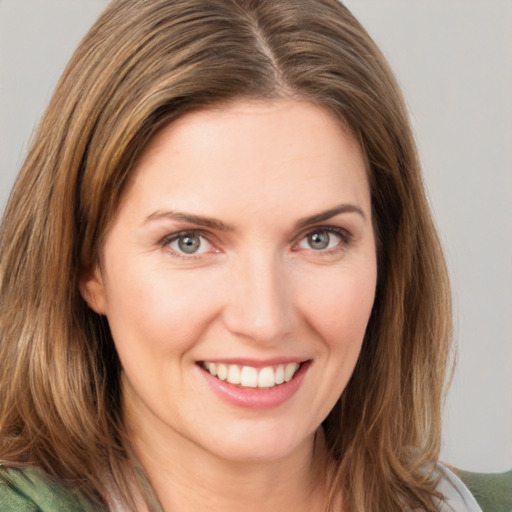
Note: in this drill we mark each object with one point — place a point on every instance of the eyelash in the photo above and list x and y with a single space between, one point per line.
166 241
344 236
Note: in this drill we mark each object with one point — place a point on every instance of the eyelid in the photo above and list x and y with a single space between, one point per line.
345 236
343 233
168 239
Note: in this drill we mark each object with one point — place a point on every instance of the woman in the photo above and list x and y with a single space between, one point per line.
220 282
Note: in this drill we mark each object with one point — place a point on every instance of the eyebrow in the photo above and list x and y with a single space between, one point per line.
328 214
212 223
198 220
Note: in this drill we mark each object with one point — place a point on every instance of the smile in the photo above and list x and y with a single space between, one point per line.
251 377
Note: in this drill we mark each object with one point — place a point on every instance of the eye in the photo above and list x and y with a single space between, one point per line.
322 239
188 243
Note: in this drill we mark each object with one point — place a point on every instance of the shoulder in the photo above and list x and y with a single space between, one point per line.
457 497
493 491
30 490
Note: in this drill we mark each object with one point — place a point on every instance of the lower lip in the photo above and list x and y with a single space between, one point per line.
257 398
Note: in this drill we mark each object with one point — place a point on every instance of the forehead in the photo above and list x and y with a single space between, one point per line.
275 154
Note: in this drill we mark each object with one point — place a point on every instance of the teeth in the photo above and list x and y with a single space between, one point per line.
290 370
222 371
233 374
279 374
266 378
212 368
250 377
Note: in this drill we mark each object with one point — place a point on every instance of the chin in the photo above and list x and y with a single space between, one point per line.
259 445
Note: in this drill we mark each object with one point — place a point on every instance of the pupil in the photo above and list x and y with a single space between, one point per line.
319 240
189 243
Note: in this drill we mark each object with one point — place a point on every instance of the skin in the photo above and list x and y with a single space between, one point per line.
255 289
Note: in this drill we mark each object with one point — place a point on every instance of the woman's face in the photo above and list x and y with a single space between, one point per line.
238 278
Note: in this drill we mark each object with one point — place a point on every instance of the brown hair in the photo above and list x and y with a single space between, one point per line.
143 64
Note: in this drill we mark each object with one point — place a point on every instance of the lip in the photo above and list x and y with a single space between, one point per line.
256 398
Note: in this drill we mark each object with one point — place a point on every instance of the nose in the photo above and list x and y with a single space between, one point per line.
260 304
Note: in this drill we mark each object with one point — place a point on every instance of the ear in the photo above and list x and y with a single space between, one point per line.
92 289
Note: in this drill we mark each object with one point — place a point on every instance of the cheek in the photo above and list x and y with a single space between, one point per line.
339 307
153 310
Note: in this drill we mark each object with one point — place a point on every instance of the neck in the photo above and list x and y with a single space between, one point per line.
186 478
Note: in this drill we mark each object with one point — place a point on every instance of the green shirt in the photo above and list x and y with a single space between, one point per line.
30 490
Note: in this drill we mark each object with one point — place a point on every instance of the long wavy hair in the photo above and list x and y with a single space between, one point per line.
143 64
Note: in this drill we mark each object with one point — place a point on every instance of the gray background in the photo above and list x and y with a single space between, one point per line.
453 59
